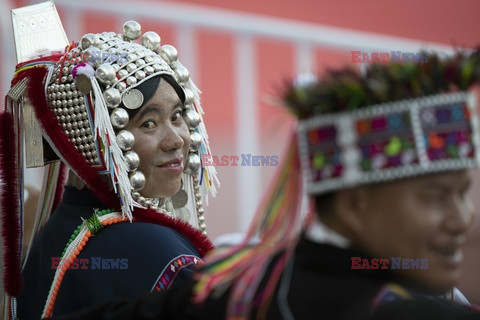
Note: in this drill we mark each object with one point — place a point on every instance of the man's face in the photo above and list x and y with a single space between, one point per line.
162 140
421 218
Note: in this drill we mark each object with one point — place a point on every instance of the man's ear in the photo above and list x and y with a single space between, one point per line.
350 206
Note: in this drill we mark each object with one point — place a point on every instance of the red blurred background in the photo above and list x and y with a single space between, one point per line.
240 53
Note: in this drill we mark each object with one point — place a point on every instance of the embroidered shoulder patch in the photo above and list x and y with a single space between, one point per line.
171 270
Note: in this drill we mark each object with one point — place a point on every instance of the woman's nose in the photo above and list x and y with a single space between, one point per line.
170 138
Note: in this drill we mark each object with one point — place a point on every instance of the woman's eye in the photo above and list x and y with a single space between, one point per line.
177 116
149 124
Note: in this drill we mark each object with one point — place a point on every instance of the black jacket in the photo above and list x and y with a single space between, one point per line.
322 286
124 260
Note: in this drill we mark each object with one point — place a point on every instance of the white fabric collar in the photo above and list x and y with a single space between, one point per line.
317 231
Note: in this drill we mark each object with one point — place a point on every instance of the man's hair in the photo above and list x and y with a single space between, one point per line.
324 204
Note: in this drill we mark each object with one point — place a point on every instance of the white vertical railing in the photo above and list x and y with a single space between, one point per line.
304 62
186 45
246 128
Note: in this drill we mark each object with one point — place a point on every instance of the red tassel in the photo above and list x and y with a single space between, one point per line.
62 179
10 205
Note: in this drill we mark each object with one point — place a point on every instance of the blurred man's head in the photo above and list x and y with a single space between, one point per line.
424 217
387 155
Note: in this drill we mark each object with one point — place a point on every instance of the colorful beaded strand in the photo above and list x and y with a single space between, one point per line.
75 245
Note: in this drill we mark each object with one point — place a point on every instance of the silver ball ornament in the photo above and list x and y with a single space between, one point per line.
112 97
140 63
125 140
131 80
140 75
131 67
195 140
132 30
105 73
121 86
181 74
122 73
157 67
137 180
89 40
132 160
142 201
193 164
93 56
149 70
192 118
119 118
135 195
168 53
188 96
149 203
151 40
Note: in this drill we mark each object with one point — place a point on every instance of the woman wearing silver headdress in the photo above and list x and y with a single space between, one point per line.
126 119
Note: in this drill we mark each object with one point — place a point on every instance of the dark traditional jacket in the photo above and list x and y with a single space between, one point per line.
124 260
319 283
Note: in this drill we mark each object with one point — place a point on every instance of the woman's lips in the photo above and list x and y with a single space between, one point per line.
175 165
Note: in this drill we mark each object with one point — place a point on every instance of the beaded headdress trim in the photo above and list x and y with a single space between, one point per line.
389 141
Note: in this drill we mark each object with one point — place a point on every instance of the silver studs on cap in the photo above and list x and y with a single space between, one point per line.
89 40
105 73
188 96
192 118
121 86
132 30
193 164
151 40
168 53
119 118
181 74
93 56
195 140
131 80
137 180
125 140
112 97
132 160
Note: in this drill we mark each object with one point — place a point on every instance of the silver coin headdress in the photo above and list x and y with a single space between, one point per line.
91 87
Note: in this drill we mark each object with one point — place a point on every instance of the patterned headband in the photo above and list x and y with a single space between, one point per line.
389 141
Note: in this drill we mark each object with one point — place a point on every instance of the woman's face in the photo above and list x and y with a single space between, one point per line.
162 140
